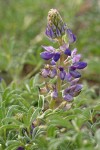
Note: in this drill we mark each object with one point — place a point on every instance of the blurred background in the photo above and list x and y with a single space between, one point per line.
22 27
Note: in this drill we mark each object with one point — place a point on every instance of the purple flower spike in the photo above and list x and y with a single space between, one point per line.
80 65
46 55
75 74
68 97
67 52
56 56
71 36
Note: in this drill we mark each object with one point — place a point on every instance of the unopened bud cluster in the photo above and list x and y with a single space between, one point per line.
63 64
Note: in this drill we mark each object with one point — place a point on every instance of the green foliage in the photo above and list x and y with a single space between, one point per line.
76 126
25 119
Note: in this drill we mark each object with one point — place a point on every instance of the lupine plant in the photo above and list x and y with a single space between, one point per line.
63 64
51 111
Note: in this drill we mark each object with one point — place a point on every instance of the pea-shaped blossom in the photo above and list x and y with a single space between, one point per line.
71 92
49 53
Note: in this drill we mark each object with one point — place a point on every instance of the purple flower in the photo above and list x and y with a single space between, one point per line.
62 73
71 92
71 36
67 52
45 72
68 97
20 148
56 56
64 47
68 77
54 93
53 62
50 53
73 82
56 30
52 73
46 55
80 65
48 48
75 74
75 57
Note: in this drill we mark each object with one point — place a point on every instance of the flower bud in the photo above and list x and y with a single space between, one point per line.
55 25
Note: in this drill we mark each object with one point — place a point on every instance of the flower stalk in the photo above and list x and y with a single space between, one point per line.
62 63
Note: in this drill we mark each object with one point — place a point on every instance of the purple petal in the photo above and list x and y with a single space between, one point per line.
78 87
71 36
68 77
74 52
73 82
70 90
53 62
62 30
75 74
20 148
46 55
52 73
72 68
62 75
68 97
49 48
52 35
58 32
54 94
47 32
45 73
80 65
76 58
56 56
64 47
67 52
61 68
